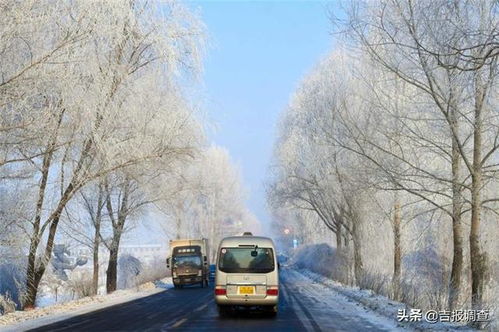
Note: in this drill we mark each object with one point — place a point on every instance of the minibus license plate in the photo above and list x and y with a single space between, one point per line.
246 290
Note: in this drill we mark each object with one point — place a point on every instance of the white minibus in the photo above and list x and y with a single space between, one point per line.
246 274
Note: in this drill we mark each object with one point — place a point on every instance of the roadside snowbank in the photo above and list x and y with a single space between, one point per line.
23 320
318 305
320 262
380 304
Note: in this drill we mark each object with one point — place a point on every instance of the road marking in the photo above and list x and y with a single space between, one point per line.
186 316
303 314
180 322
202 307
308 314
299 313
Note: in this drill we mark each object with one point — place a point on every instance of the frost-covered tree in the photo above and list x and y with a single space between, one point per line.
310 166
208 199
447 51
398 128
90 107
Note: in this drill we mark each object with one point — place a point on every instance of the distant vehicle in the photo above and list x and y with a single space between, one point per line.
213 269
246 274
282 259
189 262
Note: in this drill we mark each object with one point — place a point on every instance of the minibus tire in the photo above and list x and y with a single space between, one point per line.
271 311
223 311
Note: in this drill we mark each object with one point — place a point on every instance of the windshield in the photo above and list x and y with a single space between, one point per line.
187 261
241 260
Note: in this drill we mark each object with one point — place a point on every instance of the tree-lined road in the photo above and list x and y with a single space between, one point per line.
304 306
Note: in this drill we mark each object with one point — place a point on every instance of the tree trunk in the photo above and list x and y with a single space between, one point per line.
31 284
346 257
357 256
179 209
118 226
397 251
31 288
36 268
478 259
338 238
112 267
457 232
97 225
346 240
95 277
358 266
31 291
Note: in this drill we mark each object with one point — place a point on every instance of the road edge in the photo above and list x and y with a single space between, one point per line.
83 309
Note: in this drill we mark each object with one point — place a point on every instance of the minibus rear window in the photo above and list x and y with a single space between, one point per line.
246 260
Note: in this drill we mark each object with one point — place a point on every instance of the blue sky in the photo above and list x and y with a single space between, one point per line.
259 51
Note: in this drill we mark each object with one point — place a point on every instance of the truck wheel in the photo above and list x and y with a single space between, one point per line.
223 311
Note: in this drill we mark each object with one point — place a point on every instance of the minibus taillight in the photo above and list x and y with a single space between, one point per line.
273 291
219 290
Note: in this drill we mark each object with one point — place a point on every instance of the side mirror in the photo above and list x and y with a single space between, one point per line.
168 263
278 265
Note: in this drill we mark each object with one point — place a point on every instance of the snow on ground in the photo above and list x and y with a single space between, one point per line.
381 305
24 320
330 310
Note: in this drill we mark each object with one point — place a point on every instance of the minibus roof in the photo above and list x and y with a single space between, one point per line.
245 240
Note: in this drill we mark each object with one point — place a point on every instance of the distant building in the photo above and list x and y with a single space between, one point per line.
146 253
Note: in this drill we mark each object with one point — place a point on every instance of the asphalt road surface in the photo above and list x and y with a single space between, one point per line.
304 306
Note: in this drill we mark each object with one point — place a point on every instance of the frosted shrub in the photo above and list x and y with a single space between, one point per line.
375 281
7 305
319 258
80 285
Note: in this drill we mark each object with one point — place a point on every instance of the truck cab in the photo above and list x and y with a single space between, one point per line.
188 262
